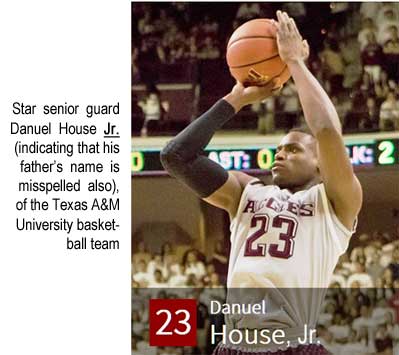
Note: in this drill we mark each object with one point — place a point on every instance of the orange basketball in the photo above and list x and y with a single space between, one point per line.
254 45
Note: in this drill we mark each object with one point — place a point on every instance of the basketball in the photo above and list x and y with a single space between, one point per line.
253 45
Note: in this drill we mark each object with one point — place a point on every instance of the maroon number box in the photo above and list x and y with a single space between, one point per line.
173 322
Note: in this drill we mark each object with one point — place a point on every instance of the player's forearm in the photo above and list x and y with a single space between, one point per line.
320 113
182 156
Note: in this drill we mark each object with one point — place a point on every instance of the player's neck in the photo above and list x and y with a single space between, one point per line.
316 180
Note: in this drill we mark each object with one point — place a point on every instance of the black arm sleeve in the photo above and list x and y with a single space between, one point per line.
183 156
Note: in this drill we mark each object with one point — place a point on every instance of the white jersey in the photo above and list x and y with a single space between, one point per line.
281 239
284 248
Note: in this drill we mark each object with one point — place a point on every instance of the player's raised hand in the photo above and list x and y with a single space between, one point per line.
291 46
241 96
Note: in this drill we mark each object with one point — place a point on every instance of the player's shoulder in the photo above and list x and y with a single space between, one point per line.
245 179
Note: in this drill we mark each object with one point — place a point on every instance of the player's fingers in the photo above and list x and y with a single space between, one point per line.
282 27
287 22
295 28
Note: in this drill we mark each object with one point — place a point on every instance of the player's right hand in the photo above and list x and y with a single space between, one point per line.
291 46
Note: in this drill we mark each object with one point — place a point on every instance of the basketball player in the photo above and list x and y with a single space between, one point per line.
287 236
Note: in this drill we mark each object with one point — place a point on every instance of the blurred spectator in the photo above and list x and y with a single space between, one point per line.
389 113
219 259
141 276
209 27
383 341
158 264
342 104
394 304
338 279
146 24
182 12
391 52
248 11
154 111
178 277
191 51
361 277
137 325
394 265
355 345
158 280
168 255
372 57
138 116
297 10
193 265
369 121
370 9
374 269
143 346
266 113
141 254
209 49
333 66
387 20
289 105
151 55
350 51
340 328
327 340
381 87
164 22
367 27
135 65
385 7
364 321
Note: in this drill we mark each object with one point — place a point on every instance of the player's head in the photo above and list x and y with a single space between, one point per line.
295 164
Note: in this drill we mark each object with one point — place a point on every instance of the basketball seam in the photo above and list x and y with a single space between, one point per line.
285 66
257 62
248 37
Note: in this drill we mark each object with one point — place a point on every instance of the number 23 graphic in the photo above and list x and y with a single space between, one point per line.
262 222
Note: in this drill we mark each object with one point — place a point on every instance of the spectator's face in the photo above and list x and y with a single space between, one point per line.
135 316
353 312
153 97
208 41
358 267
370 37
368 22
389 15
384 76
142 267
210 269
387 275
158 276
167 248
191 257
393 32
391 96
215 279
370 102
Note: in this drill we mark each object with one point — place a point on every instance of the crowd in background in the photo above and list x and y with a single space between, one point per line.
355 55
360 314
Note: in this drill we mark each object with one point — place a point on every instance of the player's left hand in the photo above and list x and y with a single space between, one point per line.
291 46
241 96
